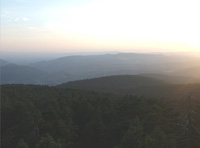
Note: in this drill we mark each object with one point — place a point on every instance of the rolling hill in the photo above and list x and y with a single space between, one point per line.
192 71
93 66
3 62
174 79
15 74
173 69
135 85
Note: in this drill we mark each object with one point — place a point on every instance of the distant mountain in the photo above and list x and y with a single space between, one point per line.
15 74
174 79
192 71
21 74
73 68
112 82
135 85
92 66
130 62
3 62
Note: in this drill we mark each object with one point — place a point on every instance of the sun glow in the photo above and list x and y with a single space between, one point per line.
126 25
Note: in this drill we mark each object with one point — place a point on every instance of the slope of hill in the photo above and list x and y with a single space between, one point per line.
116 62
72 68
112 82
84 67
192 71
14 74
135 85
3 62
174 79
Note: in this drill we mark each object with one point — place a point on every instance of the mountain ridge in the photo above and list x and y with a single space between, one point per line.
70 68
133 85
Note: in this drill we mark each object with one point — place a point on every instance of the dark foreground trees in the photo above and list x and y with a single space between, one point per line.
44 117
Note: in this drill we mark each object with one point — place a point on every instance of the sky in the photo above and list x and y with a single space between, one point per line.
100 25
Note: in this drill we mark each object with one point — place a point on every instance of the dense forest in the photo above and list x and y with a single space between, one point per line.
36 116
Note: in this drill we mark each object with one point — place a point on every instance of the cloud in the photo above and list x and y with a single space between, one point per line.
6 14
21 19
16 19
25 19
35 29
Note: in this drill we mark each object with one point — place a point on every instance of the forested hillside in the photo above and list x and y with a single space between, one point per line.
135 85
52 117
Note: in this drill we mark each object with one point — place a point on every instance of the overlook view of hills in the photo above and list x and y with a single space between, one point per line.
122 100
100 74
182 69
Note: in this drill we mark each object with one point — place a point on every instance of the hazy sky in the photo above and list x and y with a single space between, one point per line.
100 25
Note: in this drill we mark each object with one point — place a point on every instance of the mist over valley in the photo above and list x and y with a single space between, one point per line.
171 68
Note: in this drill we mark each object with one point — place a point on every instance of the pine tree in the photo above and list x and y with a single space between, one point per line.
158 139
48 142
22 144
133 136
190 133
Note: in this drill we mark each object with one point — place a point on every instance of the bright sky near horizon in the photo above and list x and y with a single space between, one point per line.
100 25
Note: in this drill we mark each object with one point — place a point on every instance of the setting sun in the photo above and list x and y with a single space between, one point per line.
100 73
